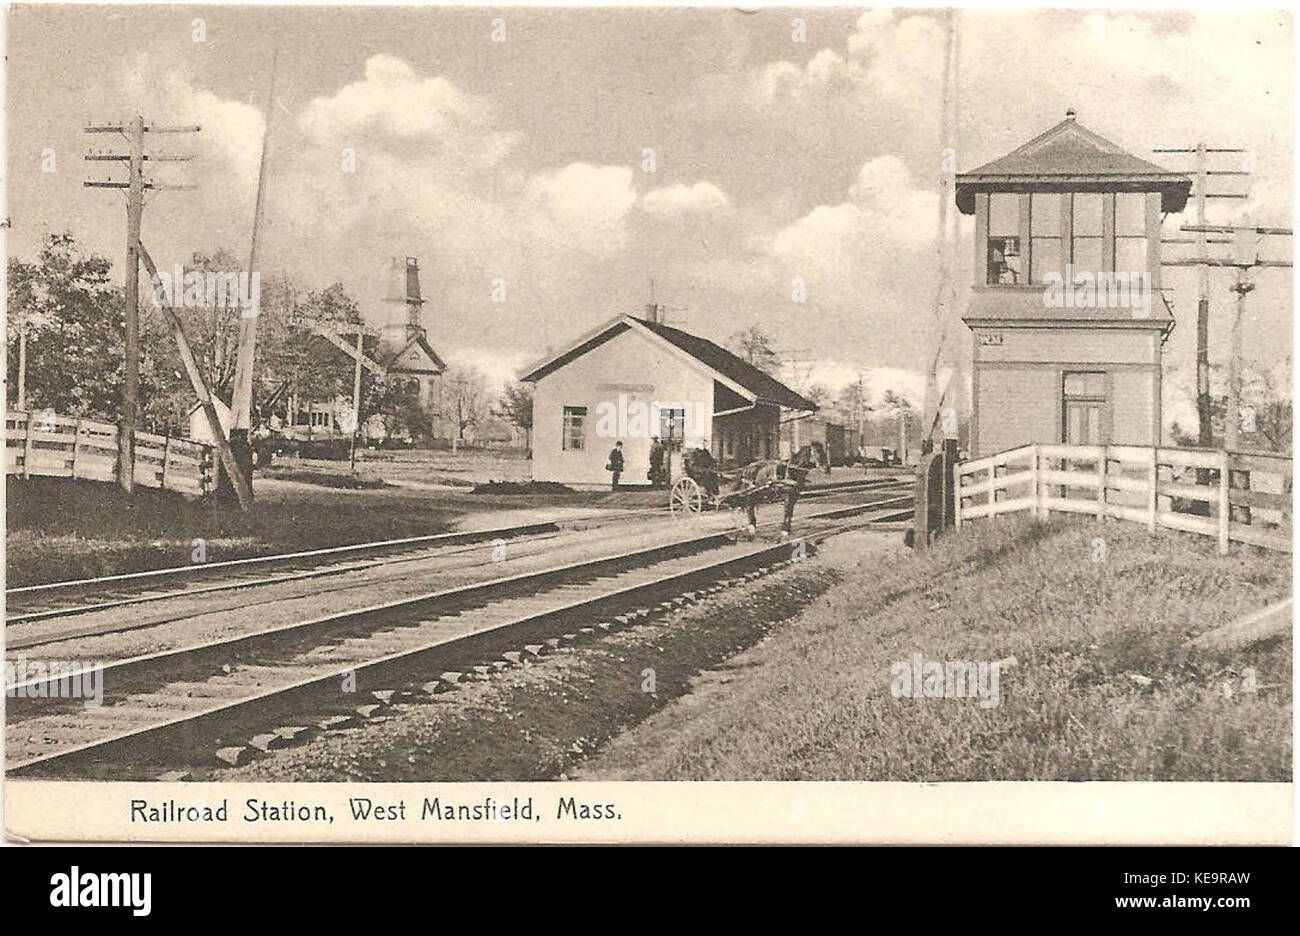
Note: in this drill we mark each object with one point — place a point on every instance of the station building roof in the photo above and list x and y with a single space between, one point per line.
1070 157
731 371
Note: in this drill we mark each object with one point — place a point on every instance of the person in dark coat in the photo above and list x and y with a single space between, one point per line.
657 452
615 463
701 466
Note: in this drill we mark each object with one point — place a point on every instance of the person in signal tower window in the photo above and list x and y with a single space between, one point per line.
615 465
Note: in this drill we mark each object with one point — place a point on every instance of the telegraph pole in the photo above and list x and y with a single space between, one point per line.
356 407
135 187
1205 435
22 364
945 292
1245 242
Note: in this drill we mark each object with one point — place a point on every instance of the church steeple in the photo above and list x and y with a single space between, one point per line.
404 288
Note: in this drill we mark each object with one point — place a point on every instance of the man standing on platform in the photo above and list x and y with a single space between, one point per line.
615 465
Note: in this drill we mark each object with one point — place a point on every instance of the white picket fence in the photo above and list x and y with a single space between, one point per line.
1248 493
47 444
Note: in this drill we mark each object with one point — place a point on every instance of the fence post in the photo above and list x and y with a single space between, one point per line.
1225 504
76 445
1101 482
27 448
167 447
1040 508
956 494
1153 492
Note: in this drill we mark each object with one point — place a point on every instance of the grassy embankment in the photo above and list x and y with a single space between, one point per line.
1102 688
57 529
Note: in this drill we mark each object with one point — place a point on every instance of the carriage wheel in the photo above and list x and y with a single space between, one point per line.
685 498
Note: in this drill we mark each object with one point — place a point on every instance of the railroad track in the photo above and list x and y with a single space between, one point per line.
81 596
223 700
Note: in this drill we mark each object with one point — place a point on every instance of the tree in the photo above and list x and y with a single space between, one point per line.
1266 410
515 406
397 402
754 346
854 403
816 393
464 402
894 409
76 330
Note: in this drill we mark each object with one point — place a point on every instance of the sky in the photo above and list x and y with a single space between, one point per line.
720 153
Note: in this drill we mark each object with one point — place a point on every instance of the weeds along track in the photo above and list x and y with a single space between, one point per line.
61 599
224 700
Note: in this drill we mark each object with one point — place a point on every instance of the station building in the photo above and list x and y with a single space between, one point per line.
631 379
1066 315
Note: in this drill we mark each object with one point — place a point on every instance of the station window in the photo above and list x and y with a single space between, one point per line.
1005 257
1086 229
1130 233
1085 385
1044 235
574 438
672 427
1084 408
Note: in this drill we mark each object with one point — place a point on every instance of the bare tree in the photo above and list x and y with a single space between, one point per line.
465 399
755 346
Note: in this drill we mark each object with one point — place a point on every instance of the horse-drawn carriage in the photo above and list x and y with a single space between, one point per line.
760 482
688 497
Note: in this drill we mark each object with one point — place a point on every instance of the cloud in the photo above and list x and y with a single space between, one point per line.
674 200
884 215
393 102
583 205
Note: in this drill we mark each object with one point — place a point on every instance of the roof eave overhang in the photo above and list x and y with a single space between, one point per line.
1173 188
1155 323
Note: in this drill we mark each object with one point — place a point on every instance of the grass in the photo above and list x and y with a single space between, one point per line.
464 468
328 479
59 529
1102 688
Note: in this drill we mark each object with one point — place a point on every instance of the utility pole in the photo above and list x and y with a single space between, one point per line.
1205 436
1245 242
1232 419
242 396
944 291
135 187
356 408
21 403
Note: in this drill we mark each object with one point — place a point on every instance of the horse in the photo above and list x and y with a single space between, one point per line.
767 471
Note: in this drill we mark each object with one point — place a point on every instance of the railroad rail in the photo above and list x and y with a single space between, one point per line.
113 591
258 690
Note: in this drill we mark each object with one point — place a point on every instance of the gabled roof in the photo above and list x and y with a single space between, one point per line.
733 372
1070 157
400 360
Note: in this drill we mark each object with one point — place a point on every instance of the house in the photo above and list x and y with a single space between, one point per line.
201 429
632 379
1066 314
